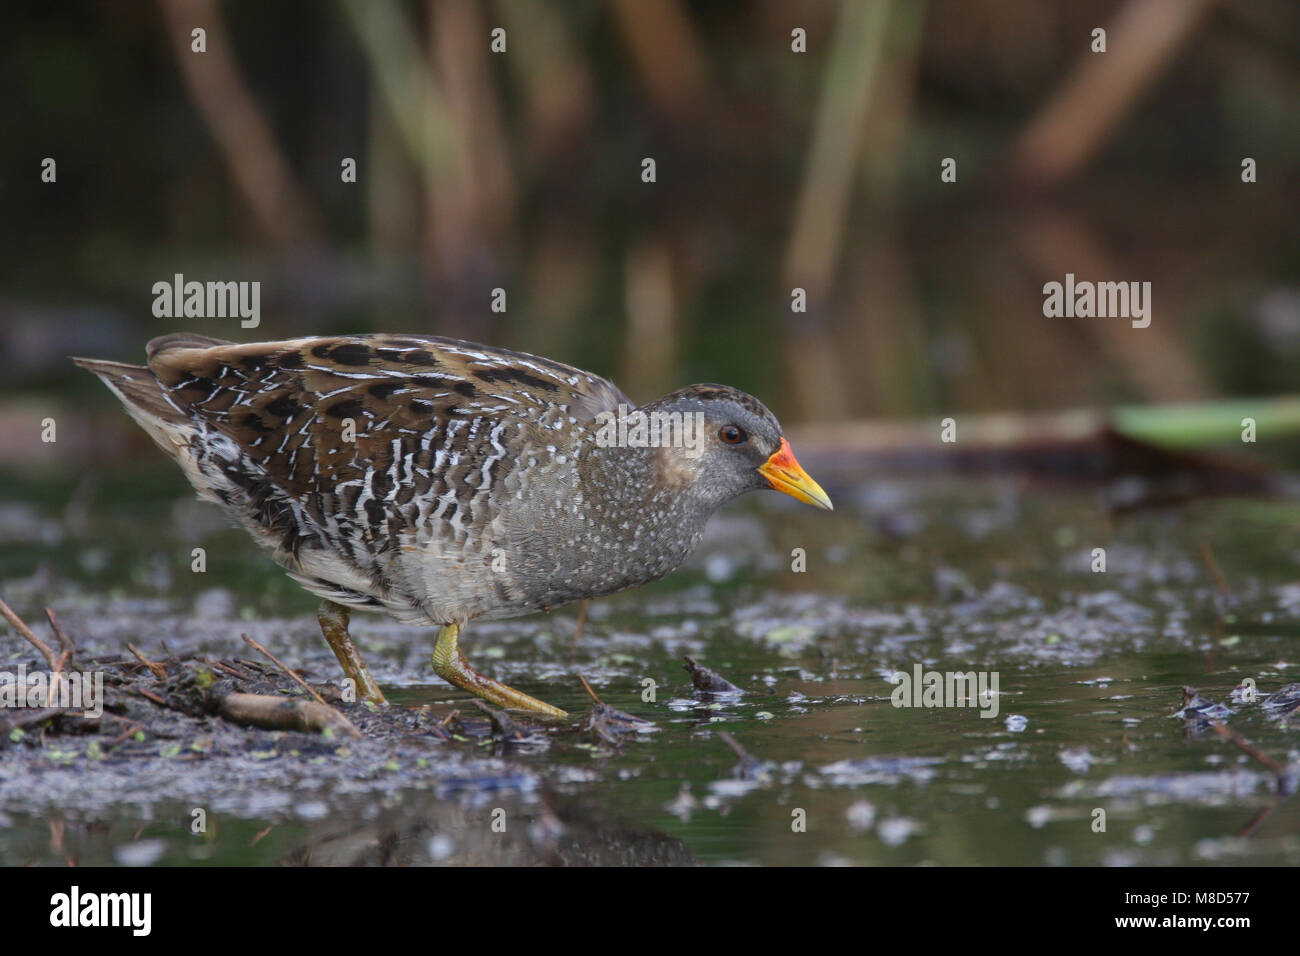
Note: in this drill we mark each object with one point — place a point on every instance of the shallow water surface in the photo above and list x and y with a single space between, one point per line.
987 577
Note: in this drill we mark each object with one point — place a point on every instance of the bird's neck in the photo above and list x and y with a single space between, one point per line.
642 479
645 504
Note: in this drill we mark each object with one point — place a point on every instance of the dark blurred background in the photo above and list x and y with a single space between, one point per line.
775 169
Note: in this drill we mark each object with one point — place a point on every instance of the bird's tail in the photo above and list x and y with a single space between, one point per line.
138 390
135 386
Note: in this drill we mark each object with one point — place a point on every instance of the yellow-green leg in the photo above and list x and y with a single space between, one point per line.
451 666
333 620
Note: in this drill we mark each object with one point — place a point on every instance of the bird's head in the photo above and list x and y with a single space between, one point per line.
730 444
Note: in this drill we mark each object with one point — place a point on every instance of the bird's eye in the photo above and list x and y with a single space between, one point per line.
732 434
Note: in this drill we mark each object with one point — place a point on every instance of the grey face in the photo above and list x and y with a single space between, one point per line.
739 435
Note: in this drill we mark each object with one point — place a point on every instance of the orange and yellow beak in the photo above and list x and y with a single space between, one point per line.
785 474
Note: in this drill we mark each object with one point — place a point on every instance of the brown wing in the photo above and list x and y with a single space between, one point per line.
286 404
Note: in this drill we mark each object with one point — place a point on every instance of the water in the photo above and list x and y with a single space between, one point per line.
993 577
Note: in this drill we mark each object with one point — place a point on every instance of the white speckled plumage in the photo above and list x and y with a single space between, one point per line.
474 488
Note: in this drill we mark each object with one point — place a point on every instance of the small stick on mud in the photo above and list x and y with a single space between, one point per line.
1245 746
151 696
64 641
53 690
17 624
280 664
284 713
233 672
32 717
158 670
131 731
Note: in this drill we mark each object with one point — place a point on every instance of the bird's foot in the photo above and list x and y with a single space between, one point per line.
451 666
333 620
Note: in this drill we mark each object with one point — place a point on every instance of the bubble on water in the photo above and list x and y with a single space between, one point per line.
861 815
1078 759
683 805
441 846
1038 816
897 830
1056 856
732 788
140 853
312 810
719 567
93 560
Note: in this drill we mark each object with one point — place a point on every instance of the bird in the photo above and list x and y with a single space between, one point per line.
444 482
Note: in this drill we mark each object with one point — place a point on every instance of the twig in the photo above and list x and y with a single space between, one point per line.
131 731
17 624
158 670
280 664
1208 557
64 641
502 726
56 836
582 622
735 746
233 672
161 702
1245 746
32 717
750 766
1256 821
53 690
284 713
591 693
